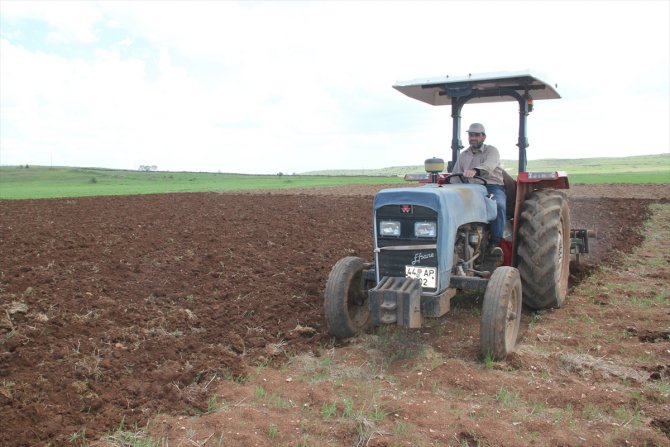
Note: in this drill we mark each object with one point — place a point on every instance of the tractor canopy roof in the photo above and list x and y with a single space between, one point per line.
485 87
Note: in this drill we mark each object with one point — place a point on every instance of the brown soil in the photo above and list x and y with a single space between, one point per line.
120 308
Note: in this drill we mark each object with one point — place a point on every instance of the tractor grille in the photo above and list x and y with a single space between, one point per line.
397 252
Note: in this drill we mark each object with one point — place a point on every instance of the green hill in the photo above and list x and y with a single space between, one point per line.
655 168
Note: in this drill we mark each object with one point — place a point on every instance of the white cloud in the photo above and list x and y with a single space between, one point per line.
73 20
294 86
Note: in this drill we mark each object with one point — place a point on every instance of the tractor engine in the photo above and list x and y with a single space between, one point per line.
469 248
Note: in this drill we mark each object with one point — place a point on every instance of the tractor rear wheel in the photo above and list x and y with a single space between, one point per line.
346 298
501 313
543 251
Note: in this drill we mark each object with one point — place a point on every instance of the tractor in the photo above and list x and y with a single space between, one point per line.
430 240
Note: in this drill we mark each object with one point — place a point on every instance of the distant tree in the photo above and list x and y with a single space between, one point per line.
280 174
148 168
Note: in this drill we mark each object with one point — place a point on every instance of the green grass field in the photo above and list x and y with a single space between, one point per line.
44 182
33 182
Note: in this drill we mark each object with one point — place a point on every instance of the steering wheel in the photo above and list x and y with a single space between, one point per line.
464 179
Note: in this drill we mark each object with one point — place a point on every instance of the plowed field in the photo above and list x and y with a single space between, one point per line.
119 308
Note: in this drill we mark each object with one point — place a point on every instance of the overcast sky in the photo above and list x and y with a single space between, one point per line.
268 87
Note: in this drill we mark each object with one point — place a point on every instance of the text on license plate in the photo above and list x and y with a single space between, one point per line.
427 275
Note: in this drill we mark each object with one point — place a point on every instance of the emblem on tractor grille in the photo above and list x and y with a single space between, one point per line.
418 257
406 209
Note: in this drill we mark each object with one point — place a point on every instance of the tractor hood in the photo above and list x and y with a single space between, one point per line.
455 205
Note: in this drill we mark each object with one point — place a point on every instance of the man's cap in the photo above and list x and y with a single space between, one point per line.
476 128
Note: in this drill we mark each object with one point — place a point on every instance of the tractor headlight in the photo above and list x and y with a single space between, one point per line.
389 228
425 229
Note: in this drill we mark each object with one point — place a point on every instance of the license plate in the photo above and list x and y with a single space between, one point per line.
427 275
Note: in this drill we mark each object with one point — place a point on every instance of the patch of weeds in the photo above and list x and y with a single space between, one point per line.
322 368
325 362
637 396
400 428
611 338
396 343
90 367
261 365
533 436
304 442
213 404
436 326
348 410
488 361
260 392
567 414
125 438
78 437
648 300
572 423
592 413
279 402
365 430
537 408
662 386
507 397
272 431
377 413
558 416
597 333
469 438
645 357
219 441
586 318
419 382
535 319
241 379
328 410
628 417
434 359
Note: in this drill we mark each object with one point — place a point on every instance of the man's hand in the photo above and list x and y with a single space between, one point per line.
470 173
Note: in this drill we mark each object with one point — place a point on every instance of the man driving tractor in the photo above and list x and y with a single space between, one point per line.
483 160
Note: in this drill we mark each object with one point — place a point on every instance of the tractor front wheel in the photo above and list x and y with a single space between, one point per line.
544 249
346 298
501 313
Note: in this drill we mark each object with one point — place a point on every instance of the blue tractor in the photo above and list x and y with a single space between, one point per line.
430 240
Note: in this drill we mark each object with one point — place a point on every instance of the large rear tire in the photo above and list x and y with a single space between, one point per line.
501 313
543 251
346 298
